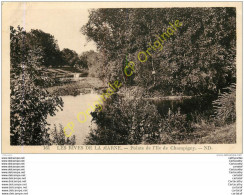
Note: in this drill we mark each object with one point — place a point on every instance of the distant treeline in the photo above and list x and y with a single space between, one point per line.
44 48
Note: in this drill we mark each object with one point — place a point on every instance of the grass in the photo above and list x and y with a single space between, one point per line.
207 133
221 135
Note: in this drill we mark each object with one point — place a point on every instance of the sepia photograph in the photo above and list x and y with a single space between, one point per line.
122 78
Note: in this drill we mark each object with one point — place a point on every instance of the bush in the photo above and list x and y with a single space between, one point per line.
125 122
225 106
58 137
29 107
175 128
136 121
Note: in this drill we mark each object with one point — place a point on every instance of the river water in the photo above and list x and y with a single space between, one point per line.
186 106
72 106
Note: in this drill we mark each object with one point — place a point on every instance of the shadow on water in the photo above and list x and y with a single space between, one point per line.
195 105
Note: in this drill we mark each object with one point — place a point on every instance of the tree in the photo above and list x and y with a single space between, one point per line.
30 104
42 44
198 59
70 57
94 62
48 44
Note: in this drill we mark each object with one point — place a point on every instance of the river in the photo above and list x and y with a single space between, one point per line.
72 106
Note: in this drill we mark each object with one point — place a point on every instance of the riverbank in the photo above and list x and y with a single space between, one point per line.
208 133
204 131
221 135
64 72
83 85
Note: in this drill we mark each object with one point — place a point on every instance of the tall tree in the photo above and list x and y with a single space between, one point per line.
30 104
49 46
94 62
70 57
198 58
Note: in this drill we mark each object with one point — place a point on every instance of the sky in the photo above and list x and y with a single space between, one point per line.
64 22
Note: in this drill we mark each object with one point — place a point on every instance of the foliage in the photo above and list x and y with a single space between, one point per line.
221 135
175 128
58 137
30 104
48 44
118 123
26 55
19 46
87 60
225 106
35 43
29 107
94 62
70 57
72 88
199 58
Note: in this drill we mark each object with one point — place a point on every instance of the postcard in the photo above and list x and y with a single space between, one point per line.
122 77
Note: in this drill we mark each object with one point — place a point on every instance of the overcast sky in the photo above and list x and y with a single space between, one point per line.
62 22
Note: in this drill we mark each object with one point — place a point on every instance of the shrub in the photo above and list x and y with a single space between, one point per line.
175 128
29 107
225 106
136 121
58 137
124 121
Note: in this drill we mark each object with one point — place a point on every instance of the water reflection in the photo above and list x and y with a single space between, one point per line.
187 106
72 106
